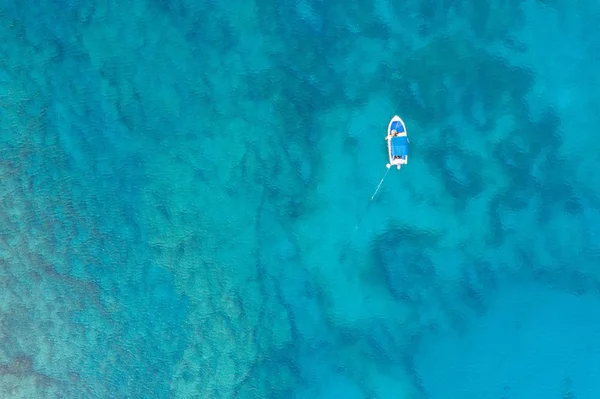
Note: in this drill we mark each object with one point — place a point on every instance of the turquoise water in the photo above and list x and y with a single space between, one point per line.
184 207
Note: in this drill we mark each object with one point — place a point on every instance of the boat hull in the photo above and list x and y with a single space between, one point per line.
397 141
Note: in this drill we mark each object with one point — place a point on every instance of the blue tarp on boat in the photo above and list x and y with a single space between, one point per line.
397 126
399 146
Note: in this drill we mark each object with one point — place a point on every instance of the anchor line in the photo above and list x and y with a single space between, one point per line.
380 183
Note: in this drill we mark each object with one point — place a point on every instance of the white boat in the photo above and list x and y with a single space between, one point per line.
397 142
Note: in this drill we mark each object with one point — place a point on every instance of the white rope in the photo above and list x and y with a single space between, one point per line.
379 185
345 248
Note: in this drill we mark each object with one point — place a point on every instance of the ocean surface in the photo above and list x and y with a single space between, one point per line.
185 213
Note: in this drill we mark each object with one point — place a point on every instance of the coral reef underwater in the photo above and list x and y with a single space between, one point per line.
184 200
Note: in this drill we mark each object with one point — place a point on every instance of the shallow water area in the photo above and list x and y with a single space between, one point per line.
531 341
184 208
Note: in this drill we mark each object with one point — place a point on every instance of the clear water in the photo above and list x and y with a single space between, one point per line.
184 200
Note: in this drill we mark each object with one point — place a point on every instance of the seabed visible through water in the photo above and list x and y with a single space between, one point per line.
180 186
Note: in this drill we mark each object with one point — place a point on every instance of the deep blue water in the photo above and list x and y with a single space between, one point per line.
184 201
